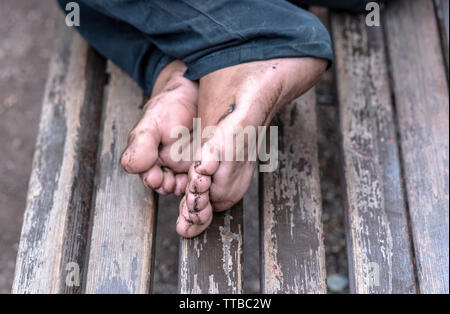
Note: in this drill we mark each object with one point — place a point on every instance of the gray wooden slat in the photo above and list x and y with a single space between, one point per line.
292 248
213 261
442 8
56 218
124 215
422 102
380 255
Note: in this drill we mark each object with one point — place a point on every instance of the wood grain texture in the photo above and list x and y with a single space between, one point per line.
292 249
124 214
422 102
55 226
380 255
213 261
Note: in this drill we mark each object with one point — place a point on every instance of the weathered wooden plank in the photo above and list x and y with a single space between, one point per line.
380 255
422 102
124 214
213 261
442 10
292 249
56 218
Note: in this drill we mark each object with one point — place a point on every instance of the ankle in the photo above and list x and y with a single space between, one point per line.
172 71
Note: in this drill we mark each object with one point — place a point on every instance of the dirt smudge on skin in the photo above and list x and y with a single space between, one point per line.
231 108
196 202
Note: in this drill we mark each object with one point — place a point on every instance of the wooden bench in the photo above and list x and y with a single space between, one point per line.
85 213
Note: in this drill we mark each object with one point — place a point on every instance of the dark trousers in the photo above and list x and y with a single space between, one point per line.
143 36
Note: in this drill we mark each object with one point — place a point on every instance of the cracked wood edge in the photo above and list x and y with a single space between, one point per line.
422 102
380 255
213 261
442 11
54 231
124 215
291 236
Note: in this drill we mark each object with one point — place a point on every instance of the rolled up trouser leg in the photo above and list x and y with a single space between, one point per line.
122 43
209 35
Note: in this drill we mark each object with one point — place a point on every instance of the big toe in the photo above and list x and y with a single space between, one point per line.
141 152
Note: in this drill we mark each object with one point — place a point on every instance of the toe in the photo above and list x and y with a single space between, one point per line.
196 202
189 230
178 166
186 227
198 183
181 180
141 152
196 217
209 160
169 182
153 178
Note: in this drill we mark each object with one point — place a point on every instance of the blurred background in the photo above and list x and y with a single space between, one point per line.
27 28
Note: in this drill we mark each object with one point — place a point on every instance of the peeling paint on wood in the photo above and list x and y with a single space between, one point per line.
422 102
213 261
293 255
124 214
54 231
122 222
380 258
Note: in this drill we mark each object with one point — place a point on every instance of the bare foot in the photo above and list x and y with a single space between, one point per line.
173 103
233 98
